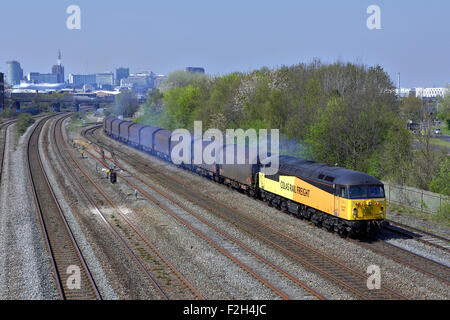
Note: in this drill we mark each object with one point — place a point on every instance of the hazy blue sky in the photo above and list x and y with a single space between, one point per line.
227 36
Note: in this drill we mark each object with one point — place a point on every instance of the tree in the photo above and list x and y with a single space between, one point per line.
444 112
425 162
152 109
277 109
180 105
343 111
217 106
125 104
349 135
412 109
440 182
179 79
395 158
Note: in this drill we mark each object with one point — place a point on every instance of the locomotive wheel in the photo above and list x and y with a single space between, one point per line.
284 207
342 233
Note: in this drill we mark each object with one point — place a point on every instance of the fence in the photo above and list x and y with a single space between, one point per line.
419 199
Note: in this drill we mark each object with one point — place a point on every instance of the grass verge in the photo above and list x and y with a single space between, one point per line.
24 121
440 143
442 218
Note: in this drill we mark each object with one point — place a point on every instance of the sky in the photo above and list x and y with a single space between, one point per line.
228 36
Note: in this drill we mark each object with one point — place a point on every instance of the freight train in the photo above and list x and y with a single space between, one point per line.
341 200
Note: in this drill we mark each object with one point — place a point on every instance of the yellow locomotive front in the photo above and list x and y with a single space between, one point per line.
365 202
372 209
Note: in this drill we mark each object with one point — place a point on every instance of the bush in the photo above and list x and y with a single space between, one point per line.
76 116
6 113
445 210
24 121
125 104
444 213
440 183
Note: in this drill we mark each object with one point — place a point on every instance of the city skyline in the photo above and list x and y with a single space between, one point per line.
232 36
59 68
121 68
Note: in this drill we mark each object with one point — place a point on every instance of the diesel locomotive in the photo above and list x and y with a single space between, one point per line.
341 200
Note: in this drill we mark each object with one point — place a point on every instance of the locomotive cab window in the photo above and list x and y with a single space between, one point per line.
376 191
366 192
357 192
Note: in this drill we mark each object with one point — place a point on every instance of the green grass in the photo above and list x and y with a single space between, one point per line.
24 121
76 121
440 143
442 218
445 130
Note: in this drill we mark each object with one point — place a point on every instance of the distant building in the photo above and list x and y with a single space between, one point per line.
79 80
195 70
139 83
58 69
106 87
431 92
14 73
57 75
2 91
423 93
59 72
36 77
121 73
41 87
105 79
403 93
136 80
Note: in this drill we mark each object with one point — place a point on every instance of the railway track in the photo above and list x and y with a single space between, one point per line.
253 263
168 282
67 261
305 255
424 265
425 237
